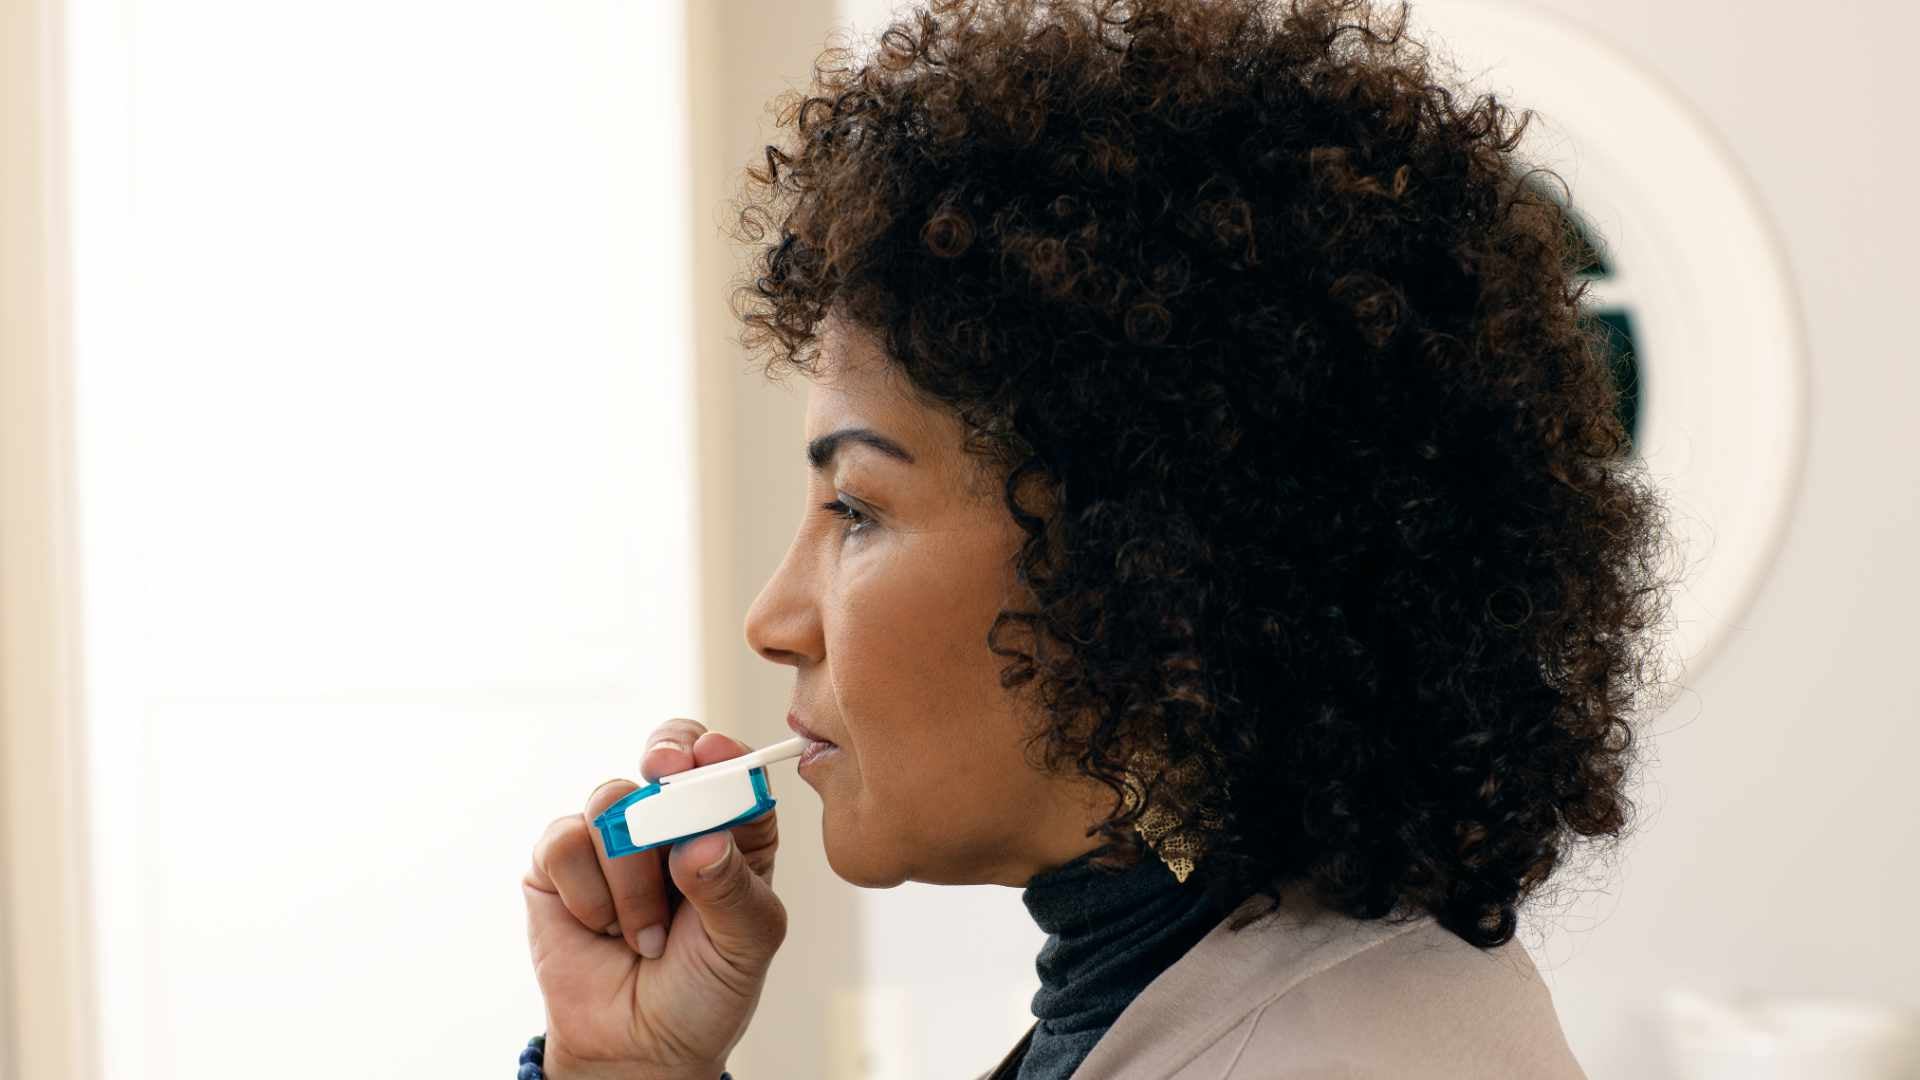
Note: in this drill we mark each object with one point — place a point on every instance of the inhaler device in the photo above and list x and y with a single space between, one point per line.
693 803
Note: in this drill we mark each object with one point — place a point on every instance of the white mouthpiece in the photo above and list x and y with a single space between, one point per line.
766 755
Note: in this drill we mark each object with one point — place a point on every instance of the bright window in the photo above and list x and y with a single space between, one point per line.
386 507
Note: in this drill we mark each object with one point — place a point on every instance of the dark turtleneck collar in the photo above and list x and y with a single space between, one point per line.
1108 935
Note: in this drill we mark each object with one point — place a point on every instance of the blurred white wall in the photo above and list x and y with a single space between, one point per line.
388 526
1781 846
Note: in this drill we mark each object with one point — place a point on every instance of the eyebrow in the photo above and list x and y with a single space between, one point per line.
821 450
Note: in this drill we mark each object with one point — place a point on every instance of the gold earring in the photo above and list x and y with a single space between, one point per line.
1177 845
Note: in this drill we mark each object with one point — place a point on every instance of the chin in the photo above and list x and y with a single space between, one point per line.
857 866
874 867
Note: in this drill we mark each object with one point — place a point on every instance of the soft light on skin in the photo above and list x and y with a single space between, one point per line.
886 627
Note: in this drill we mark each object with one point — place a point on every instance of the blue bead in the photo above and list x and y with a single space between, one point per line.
532 1058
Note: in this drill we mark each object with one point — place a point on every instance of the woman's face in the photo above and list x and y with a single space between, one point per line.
883 611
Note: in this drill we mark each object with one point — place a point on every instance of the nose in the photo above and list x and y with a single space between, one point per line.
783 624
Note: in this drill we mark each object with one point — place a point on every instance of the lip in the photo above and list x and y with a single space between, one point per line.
803 731
815 752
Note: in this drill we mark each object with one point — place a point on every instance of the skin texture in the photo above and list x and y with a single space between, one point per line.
885 622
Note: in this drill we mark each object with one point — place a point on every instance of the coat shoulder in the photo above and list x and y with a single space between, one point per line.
1422 1002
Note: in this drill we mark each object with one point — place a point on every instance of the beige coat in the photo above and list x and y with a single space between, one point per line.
1309 994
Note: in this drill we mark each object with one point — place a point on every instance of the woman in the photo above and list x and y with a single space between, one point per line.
1224 533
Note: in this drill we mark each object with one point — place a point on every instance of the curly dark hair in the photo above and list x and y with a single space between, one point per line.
1280 356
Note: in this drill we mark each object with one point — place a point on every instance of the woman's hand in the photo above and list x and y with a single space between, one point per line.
641 983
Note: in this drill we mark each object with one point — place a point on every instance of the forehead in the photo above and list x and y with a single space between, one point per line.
855 382
856 385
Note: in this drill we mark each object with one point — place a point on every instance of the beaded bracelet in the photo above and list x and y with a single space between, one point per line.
534 1058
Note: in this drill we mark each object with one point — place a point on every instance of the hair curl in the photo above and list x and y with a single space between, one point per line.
1280 356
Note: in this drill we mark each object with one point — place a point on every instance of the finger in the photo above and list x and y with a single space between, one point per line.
670 748
738 910
564 863
550 926
639 900
569 960
758 839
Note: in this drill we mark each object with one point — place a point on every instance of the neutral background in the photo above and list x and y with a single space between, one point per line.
1781 844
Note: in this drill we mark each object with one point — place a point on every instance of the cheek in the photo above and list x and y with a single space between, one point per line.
920 608
916 686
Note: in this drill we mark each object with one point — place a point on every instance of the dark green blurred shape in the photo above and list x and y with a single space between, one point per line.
1614 324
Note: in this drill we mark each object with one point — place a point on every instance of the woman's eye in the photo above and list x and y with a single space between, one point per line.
856 521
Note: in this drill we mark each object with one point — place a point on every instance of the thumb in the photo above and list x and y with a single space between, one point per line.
743 918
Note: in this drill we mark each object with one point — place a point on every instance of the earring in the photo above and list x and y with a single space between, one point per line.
1177 845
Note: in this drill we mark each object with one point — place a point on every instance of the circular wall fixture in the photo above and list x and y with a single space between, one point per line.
1690 282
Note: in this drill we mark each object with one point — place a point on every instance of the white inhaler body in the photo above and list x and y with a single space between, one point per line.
693 803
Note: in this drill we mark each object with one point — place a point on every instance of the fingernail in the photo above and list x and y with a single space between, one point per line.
612 930
712 869
651 942
674 744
